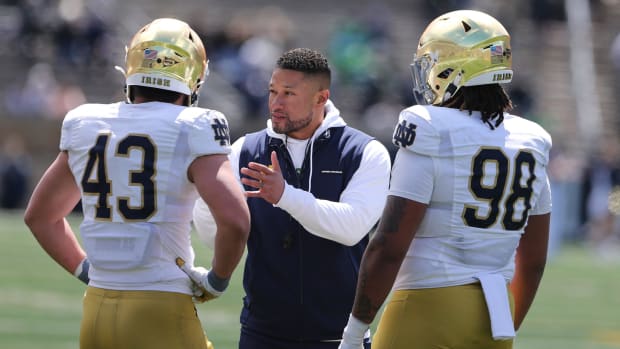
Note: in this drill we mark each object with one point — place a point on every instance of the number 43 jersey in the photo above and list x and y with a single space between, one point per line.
480 183
130 162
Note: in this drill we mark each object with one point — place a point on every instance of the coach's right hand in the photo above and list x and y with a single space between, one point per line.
208 286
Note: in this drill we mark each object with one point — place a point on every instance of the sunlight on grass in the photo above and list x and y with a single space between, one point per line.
40 304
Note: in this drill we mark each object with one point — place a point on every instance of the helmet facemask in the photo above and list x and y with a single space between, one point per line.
420 69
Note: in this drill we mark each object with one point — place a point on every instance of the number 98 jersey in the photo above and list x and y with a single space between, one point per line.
480 184
130 162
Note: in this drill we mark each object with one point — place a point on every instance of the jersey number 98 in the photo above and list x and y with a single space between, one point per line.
494 194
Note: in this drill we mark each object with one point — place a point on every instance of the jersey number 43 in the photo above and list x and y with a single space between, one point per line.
95 180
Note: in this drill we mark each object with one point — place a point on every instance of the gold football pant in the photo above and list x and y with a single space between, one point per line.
140 319
437 318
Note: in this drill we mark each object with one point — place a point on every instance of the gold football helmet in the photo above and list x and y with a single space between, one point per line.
169 55
460 48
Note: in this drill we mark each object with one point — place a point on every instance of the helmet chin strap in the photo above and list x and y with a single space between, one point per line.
193 99
121 70
125 89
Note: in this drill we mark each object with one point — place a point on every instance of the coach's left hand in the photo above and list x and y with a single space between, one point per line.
267 179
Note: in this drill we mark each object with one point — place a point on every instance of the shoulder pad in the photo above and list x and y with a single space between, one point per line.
415 131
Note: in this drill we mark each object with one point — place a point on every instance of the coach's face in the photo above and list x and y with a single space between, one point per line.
296 103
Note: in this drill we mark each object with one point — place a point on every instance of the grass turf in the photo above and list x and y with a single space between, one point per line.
578 304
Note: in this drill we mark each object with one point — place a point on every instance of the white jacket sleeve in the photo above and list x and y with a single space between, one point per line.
203 219
360 205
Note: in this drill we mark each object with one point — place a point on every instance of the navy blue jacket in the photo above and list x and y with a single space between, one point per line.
300 286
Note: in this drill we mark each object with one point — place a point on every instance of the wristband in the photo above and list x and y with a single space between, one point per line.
355 330
81 272
219 284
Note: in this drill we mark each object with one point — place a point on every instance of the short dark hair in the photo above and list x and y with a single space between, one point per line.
154 94
307 61
490 100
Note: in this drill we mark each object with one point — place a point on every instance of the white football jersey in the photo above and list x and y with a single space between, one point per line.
480 185
130 162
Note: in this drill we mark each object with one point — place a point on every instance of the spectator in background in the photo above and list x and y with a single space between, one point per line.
42 95
79 39
243 50
434 8
565 176
65 32
543 11
31 96
15 172
361 49
36 20
601 179
614 54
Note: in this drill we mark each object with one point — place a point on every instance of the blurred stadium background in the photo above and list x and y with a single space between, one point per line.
57 54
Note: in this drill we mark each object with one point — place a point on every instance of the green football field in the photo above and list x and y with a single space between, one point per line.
578 305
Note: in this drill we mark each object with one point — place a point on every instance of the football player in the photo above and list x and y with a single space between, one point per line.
462 241
138 167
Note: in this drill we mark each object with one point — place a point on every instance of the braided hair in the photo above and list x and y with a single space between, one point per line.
490 100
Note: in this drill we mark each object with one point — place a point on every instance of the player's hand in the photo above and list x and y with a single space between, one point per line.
353 334
205 284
